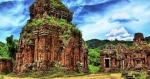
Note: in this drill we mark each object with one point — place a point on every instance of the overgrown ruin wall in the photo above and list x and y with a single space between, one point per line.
44 43
5 65
120 57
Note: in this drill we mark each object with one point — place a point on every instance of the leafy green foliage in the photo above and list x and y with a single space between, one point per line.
58 4
25 34
9 49
143 75
94 57
2 44
94 43
65 36
52 21
48 17
130 73
147 39
84 45
75 25
4 51
36 23
12 47
94 69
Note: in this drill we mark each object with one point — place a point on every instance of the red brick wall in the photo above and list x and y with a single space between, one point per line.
5 65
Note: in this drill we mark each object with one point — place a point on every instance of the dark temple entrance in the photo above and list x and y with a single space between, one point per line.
107 63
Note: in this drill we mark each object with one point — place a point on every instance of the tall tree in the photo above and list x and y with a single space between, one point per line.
11 46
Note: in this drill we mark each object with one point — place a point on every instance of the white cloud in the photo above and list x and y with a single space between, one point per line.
115 32
96 28
122 17
120 34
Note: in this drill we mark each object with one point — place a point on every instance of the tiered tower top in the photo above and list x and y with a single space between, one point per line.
138 37
53 8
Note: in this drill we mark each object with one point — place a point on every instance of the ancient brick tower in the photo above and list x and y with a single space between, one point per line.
140 53
49 38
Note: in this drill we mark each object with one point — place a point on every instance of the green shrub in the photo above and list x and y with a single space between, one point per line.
48 17
143 75
94 57
94 69
130 73
65 36
58 4
53 21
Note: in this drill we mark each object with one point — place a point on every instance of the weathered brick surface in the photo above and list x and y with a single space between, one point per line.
43 7
45 46
5 65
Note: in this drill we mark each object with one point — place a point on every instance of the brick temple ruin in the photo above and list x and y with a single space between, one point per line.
46 42
5 65
119 57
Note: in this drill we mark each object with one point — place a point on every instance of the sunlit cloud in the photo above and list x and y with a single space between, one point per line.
122 18
120 34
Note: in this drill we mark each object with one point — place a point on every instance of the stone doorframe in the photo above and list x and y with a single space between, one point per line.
109 62
122 64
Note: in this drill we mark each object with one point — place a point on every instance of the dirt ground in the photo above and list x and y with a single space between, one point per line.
95 76
91 76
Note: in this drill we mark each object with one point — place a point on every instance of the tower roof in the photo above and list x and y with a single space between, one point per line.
55 8
138 37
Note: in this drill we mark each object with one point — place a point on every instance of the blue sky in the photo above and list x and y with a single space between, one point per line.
101 19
